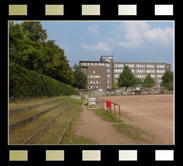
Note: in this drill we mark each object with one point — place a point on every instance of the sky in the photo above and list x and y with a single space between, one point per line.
127 41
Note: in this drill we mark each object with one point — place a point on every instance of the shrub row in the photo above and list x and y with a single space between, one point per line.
27 83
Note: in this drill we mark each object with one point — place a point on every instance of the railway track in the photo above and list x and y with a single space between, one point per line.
44 127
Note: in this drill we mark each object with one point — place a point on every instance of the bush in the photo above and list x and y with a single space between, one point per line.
27 83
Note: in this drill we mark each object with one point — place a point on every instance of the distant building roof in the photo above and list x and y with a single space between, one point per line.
106 56
92 61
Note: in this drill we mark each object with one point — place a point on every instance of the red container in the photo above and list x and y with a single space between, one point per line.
108 103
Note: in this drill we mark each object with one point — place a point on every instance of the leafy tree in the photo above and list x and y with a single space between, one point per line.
56 64
138 82
167 80
26 45
29 49
148 82
80 77
126 78
115 86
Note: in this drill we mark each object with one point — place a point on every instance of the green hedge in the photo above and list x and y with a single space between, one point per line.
27 83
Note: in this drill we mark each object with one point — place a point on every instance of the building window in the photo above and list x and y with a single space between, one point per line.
108 81
116 76
95 63
140 66
94 82
93 76
118 65
159 81
94 71
84 63
129 65
108 76
108 70
118 71
160 66
159 76
140 71
152 75
150 71
160 71
140 76
108 65
108 86
150 66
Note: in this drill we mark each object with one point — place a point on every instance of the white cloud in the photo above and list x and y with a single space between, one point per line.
130 44
138 32
100 46
161 36
94 29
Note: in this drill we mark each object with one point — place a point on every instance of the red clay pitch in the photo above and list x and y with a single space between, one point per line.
151 113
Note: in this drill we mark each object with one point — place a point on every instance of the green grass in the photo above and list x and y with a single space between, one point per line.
19 135
132 132
72 139
35 110
54 131
107 116
18 103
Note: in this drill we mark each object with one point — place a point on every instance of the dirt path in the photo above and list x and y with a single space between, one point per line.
151 113
93 127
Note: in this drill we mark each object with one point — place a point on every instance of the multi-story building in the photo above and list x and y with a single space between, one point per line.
104 73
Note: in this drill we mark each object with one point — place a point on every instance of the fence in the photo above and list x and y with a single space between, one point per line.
112 107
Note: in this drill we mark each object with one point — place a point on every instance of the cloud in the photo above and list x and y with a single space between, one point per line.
137 33
94 29
161 36
130 44
100 46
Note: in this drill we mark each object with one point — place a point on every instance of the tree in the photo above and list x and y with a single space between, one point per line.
138 82
29 49
115 86
56 64
80 77
126 78
167 80
26 45
148 82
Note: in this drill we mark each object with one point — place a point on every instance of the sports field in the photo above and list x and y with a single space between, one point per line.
152 113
